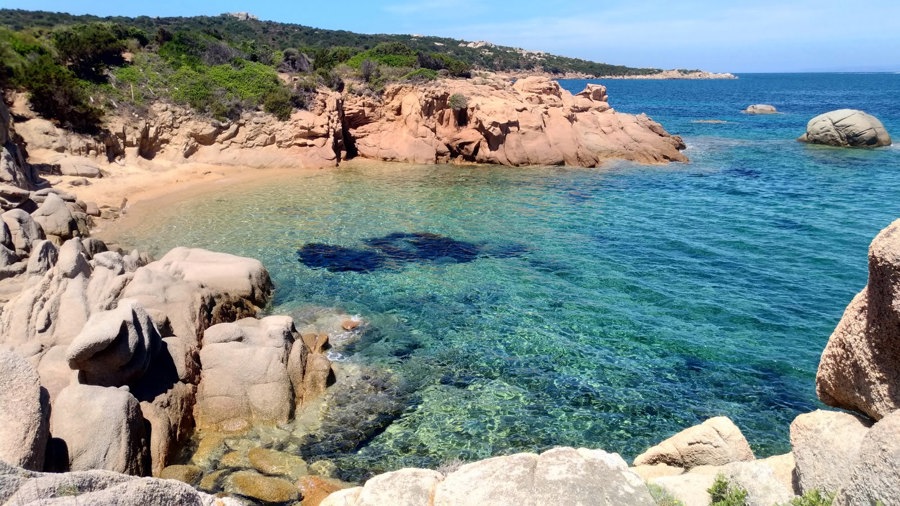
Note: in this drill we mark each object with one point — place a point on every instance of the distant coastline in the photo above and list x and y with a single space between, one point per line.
661 75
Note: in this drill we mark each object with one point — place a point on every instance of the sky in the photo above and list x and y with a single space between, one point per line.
715 35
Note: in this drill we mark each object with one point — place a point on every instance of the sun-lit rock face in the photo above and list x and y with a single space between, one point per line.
530 122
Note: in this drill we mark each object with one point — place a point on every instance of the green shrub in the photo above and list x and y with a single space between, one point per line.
147 78
278 103
440 61
248 80
724 493
419 75
57 93
329 58
662 497
391 54
458 102
88 50
813 498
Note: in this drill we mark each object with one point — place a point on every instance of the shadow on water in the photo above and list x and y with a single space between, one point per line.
398 248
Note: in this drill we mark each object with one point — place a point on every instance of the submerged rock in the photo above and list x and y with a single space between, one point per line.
263 488
760 109
846 128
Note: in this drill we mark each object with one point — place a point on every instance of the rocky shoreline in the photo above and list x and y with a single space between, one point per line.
137 356
491 120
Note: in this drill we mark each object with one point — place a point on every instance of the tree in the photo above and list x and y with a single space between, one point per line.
56 93
88 50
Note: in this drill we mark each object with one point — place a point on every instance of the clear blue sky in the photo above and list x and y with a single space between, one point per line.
717 35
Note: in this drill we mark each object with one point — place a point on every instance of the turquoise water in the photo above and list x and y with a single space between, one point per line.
588 307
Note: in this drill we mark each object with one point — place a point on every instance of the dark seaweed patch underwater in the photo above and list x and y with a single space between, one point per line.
399 248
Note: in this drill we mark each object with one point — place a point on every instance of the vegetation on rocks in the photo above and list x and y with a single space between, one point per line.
76 68
724 493
662 497
813 497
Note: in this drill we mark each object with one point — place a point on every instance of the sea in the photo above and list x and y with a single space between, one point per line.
518 309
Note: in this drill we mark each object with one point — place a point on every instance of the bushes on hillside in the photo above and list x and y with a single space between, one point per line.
89 50
57 93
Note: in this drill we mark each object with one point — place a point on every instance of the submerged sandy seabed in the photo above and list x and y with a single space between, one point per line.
138 190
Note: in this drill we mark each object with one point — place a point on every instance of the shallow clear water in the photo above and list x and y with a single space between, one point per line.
588 307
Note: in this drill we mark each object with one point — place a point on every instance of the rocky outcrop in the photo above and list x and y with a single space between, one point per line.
58 219
115 347
71 321
262 390
189 290
102 428
846 128
874 476
22 487
310 138
715 442
763 480
24 413
826 446
558 476
490 120
14 170
760 109
860 366
531 122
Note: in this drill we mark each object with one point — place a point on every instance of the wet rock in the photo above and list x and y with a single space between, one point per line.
183 473
315 489
716 441
209 449
24 413
273 462
212 481
235 459
170 416
317 376
254 485
760 109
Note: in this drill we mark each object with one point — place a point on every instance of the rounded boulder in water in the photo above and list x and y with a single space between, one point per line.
846 128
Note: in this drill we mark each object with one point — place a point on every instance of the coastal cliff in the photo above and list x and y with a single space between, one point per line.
486 120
